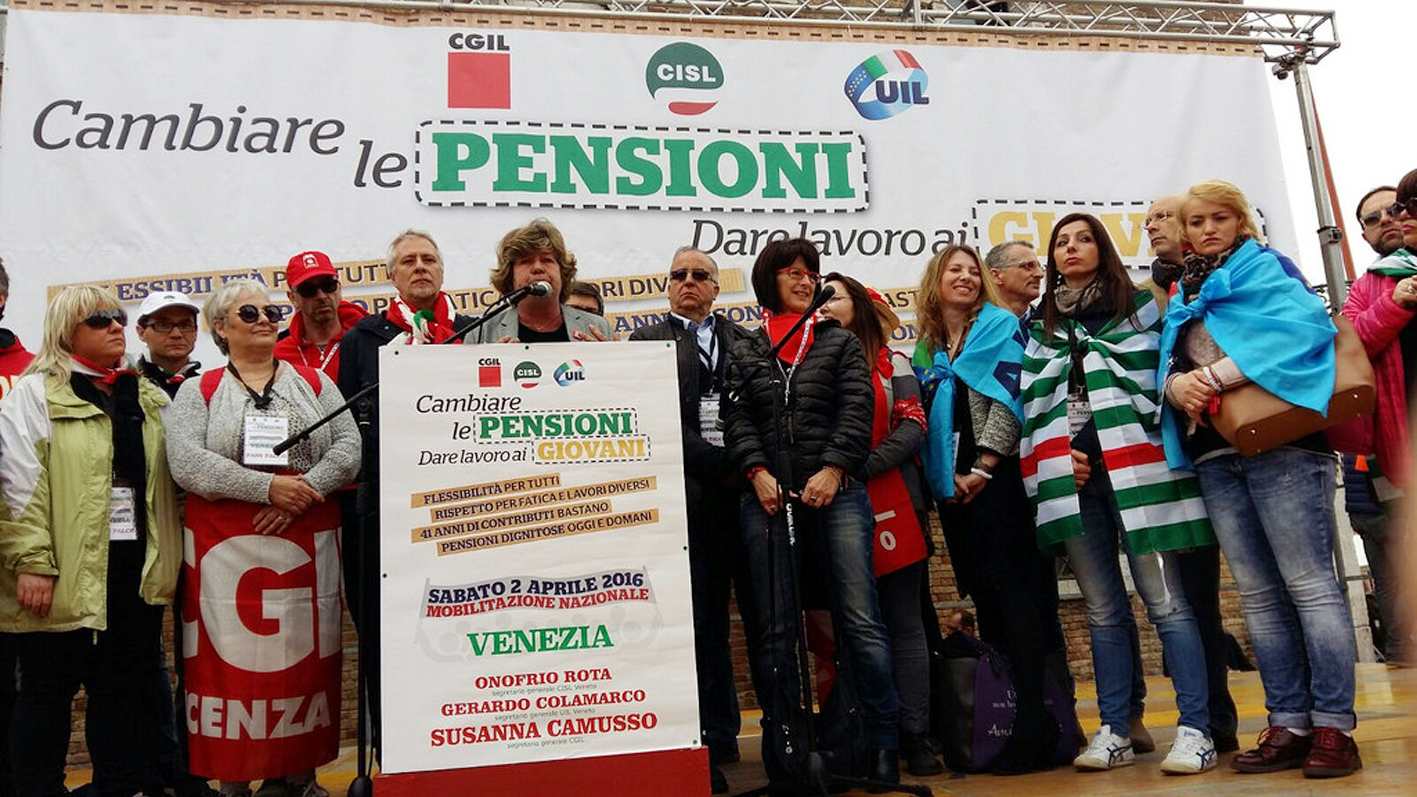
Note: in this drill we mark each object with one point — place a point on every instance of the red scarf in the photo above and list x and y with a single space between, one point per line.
424 326
105 374
898 538
796 347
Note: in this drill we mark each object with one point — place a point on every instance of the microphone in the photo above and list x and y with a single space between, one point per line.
538 288
823 296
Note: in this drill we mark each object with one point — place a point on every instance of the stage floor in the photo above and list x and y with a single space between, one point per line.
1387 735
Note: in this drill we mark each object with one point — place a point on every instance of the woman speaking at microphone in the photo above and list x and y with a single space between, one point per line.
525 256
798 426
263 561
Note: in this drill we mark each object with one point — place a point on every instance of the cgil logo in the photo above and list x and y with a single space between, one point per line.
887 84
479 71
487 163
489 372
527 373
685 77
566 373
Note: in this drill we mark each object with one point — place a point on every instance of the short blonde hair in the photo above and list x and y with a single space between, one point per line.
539 235
221 300
68 309
1221 193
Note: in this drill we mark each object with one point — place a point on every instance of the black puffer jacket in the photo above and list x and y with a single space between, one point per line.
828 419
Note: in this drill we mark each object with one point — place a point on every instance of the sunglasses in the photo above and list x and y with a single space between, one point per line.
164 327
309 288
250 314
699 274
797 274
101 319
1397 207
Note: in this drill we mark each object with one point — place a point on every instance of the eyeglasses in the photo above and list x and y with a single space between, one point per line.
1026 265
1376 217
1397 207
164 327
797 274
250 314
699 275
101 319
309 288
1158 217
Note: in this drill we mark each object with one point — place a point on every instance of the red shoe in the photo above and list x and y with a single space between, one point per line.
1333 754
1278 749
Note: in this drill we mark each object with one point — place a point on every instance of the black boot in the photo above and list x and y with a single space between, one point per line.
920 760
883 766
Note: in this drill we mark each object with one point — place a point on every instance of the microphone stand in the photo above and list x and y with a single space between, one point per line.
506 301
363 785
818 778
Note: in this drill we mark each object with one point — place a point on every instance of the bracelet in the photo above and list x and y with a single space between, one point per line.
1212 379
753 471
981 473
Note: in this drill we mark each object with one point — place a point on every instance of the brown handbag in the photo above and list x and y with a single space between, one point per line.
1255 421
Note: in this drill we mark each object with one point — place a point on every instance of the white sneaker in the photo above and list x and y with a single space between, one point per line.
1107 750
1191 753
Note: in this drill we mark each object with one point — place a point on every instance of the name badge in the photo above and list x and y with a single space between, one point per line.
122 522
263 432
1079 413
710 429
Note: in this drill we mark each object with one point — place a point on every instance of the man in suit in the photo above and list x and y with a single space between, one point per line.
712 487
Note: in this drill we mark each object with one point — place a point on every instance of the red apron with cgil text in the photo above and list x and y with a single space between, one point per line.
261 641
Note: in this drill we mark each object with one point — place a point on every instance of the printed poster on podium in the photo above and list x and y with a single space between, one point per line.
536 610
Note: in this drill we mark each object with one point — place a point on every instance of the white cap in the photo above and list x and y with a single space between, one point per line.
161 299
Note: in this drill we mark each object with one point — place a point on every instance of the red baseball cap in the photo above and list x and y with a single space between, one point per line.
309 264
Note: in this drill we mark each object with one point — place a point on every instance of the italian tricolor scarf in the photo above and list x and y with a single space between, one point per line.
1161 509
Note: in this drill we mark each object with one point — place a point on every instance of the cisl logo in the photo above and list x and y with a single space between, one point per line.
527 374
887 84
685 77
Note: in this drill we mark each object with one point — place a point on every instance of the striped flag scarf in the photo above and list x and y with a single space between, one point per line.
1161 509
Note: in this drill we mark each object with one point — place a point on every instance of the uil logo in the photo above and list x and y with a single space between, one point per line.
569 373
887 84
685 77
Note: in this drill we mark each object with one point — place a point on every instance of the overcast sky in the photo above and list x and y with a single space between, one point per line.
1368 125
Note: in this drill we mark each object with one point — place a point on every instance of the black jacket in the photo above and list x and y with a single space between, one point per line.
704 463
828 418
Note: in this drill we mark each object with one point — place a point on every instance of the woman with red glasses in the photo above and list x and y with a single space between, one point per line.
798 426
261 587
91 544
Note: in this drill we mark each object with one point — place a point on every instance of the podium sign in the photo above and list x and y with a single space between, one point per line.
535 590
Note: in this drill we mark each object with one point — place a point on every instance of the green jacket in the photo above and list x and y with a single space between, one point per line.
56 474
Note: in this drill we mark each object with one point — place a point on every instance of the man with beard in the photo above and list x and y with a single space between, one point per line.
321 315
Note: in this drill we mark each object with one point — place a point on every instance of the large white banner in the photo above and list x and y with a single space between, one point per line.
148 150
535 599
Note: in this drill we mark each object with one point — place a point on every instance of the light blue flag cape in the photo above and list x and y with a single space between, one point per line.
1269 322
990 364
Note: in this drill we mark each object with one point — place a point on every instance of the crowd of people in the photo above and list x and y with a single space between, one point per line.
1053 413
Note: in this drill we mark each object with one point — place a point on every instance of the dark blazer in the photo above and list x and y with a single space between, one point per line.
704 463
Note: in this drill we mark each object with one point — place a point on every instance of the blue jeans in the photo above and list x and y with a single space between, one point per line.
1093 557
843 536
1273 514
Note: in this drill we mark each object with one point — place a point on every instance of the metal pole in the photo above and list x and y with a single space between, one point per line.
1330 235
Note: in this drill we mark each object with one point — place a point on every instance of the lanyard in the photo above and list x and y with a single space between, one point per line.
329 352
263 399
